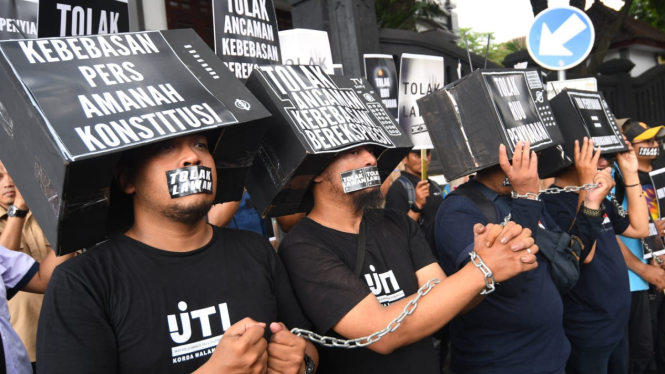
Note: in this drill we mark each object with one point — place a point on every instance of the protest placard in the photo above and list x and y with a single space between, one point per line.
306 47
419 75
18 16
246 34
381 73
82 17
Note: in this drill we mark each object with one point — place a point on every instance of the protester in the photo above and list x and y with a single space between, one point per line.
355 268
173 294
420 199
518 329
596 311
641 356
20 272
19 231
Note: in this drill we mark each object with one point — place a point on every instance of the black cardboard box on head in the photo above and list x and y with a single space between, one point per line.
71 106
315 116
471 117
580 114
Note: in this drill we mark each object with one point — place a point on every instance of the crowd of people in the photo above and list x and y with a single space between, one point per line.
497 275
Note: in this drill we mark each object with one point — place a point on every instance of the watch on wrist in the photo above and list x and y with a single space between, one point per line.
13 211
415 209
309 365
592 212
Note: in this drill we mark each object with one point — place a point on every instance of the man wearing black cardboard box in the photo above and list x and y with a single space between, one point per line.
173 294
518 329
354 269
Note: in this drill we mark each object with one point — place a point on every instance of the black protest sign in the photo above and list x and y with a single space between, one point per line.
82 17
360 179
17 16
469 118
593 110
246 34
104 93
369 96
189 180
381 73
517 110
329 118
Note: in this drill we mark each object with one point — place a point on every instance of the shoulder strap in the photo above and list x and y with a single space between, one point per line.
361 250
483 203
408 186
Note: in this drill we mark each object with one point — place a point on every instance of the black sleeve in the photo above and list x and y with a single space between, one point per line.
325 296
288 309
421 254
564 213
74 335
397 197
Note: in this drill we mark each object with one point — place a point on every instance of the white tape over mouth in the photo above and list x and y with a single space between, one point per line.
360 179
189 180
650 151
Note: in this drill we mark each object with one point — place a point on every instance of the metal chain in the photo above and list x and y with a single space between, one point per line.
328 341
622 212
653 255
556 190
506 219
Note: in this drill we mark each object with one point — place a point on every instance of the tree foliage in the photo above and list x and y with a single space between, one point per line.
403 14
497 51
649 11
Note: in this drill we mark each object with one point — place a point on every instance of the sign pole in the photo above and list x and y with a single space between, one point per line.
561 75
423 164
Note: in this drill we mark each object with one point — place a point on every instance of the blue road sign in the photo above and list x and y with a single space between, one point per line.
560 38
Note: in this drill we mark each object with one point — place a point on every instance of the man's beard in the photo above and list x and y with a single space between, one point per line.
187 214
366 200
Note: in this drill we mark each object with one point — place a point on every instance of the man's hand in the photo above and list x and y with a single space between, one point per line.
627 161
586 160
594 197
654 275
241 350
504 249
19 202
422 193
286 352
523 173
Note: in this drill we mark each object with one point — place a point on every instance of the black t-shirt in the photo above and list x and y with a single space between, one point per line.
320 263
596 311
398 198
125 307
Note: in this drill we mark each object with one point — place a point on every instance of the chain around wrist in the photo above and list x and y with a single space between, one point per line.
528 195
489 277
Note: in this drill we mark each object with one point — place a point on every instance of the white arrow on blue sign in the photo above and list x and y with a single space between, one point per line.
560 38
